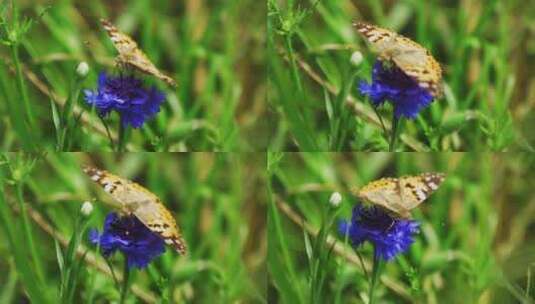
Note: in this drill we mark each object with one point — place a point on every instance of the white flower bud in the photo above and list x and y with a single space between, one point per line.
335 199
356 58
87 208
82 69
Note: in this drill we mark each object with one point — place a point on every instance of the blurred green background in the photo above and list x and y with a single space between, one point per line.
485 47
217 199
213 49
476 243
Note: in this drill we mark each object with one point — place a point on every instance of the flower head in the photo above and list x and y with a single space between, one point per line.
126 95
391 84
389 236
128 235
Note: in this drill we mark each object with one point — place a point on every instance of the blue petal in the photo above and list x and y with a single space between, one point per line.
394 86
128 235
389 236
94 236
127 96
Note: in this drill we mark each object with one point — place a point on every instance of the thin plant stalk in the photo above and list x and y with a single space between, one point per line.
396 122
123 134
29 234
112 142
385 132
376 272
126 277
22 87
91 289
67 119
341 114
295 70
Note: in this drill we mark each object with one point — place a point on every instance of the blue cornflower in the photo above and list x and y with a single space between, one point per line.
389 236
391 84
128 235
126 95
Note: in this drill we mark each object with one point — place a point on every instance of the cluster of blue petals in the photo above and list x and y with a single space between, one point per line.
389 236
128 235
392 85
127 96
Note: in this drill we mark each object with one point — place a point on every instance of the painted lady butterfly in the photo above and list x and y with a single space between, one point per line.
130 54
401 195
412 58
143 204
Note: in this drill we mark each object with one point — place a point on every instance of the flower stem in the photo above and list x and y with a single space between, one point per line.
67 117
126 277
295 70
123 133
112 142
394 133
28 233
381 121
341 114
30 124
377 263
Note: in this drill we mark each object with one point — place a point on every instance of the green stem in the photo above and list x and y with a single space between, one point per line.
123 132
361 260
295 70
394 133
22 89
67 120
113 275
112 142
385 132
281 237
126 277
28 232
377 263
342 115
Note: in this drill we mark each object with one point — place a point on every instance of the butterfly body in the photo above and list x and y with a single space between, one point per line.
130 55
143 204
400 195
412 58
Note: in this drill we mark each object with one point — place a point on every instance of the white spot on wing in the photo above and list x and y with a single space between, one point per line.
108 187
420 194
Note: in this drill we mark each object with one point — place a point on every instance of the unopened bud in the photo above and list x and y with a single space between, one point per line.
335 199
87 208
356 58
82 69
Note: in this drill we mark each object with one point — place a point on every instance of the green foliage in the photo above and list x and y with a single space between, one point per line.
480 47
219 211
474 245
218 65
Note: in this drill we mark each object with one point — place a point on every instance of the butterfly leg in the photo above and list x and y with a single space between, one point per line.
391 225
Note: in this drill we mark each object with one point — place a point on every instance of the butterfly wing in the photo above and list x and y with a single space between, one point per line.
416 189
382 40
147 207
413 59
401 195
384 193
130 54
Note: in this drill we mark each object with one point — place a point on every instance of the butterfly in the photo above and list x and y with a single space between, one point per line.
400 195
412 58
130 54
143 204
